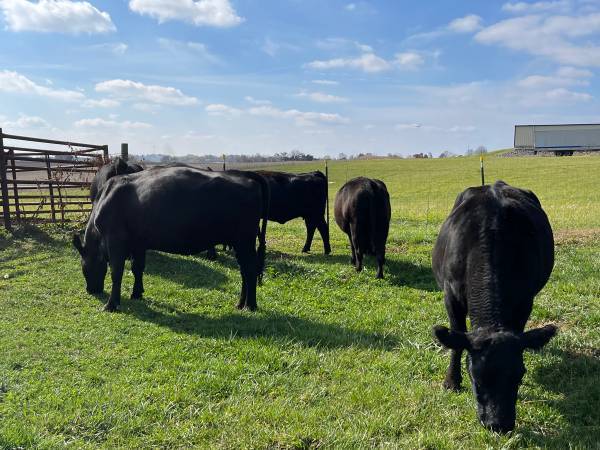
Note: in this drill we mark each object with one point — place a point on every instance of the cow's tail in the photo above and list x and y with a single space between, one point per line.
262 234
373 232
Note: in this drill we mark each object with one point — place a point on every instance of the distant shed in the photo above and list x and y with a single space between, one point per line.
560 139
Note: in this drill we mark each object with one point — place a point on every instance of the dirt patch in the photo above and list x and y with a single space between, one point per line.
581 236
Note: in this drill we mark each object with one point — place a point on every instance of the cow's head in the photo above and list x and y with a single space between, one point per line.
93 264
495 365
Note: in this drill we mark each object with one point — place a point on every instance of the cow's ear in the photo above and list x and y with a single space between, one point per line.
535 339
77 244
120 166
456 340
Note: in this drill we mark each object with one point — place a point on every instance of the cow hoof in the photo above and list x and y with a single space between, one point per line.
240 306
359 269
306 250
136 296
380 276
110 307
328 252
451 385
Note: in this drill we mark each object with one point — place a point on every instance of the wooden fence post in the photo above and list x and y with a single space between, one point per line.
15 185
105 153
3 185
50 188
125 151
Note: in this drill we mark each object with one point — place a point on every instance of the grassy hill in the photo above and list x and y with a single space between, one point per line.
332 359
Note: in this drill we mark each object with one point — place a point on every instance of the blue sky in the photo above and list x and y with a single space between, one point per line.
324 77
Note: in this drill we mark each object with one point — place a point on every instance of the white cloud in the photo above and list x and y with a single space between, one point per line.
127 89
326 82
461 25
359 7
555 37
321 97
301 118
103 123
118 48
419 126
218 109
151 108
572 72
272 48
256 102
368 62
564 77
55 16
102 103
467 24
14 82
196 48
565 95
26 122
215 13
342 44
524 7
409 60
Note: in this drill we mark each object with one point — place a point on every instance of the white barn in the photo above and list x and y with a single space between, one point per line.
561 139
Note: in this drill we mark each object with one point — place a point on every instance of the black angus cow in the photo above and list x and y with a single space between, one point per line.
362 210
177 210
295 195
494 253
117 166
302 195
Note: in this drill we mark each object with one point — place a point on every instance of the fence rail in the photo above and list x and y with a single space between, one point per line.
40 184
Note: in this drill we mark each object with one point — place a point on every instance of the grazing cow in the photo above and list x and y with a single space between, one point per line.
494 253
177 210
117 166
363 212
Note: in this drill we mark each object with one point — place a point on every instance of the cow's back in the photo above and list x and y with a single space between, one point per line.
175 209
364 204
494 253
296 195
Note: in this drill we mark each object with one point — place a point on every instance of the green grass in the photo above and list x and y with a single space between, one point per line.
332 359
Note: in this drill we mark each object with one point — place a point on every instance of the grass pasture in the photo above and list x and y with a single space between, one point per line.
332 359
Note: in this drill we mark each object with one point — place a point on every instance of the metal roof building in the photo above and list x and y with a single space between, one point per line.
561 139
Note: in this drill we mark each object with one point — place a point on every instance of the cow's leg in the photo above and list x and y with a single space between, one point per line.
310 232
116 260
358 256
458 322
324 232
246 258
353 257
243 292
137 267
380 255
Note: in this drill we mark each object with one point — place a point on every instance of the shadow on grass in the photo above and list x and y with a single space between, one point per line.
577 378
399 273
256 325
189 272
29 231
